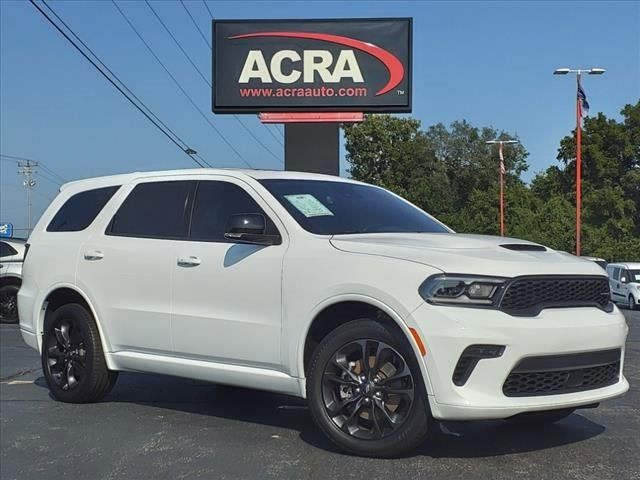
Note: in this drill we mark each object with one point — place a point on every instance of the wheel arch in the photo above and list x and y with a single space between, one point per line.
10 280
63 294
356 305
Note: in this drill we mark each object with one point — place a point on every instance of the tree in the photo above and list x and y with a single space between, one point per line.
393 153
611 186
452 173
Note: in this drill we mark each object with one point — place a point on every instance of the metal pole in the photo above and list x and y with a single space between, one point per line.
28 210
578 167
501 169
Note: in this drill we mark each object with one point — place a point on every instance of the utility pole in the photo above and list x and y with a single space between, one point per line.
502 171
28 169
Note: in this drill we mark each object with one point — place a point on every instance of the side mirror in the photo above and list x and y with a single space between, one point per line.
250 228
623 279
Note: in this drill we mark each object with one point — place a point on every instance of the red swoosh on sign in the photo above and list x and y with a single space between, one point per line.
390 61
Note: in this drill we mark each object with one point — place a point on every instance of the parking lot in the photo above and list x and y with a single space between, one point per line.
161 427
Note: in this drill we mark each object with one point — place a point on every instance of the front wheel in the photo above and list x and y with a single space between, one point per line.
366 392
632 303
72 357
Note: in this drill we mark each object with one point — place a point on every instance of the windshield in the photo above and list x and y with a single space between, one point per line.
634 276
334 208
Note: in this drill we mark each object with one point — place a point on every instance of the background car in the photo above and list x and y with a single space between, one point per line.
11 257
624 279
600 261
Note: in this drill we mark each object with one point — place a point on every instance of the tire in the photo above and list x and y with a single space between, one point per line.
337 395
9 304
72 357
631 305
545 417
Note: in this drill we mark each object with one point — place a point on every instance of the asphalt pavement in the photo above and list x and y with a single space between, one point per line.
159 427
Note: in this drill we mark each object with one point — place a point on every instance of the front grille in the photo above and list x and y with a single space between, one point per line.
529 295
573 373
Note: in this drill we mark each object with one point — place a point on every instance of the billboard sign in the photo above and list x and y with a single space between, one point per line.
361 65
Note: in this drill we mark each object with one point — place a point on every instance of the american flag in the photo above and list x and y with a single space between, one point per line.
582 97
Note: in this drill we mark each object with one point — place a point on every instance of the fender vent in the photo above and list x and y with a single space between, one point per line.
524 247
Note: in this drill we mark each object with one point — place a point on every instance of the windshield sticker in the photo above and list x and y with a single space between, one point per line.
308 205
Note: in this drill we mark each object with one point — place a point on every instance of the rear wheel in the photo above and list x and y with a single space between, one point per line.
365 390
9 303
543 417
72 357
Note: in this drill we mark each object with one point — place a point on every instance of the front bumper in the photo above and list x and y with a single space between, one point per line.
447 331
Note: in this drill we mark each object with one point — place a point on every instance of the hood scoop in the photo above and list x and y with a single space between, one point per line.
524 247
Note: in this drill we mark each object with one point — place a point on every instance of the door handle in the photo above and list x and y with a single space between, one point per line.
93 255
190 261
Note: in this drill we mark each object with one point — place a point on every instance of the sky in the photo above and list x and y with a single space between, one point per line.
488 62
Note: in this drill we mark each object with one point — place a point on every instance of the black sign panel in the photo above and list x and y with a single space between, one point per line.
361 65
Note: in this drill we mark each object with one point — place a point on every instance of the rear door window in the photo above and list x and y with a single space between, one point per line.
155 210
80 210
215 202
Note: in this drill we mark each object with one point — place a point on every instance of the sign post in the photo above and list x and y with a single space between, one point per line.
310 75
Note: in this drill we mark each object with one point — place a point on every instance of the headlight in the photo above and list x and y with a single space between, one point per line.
462 290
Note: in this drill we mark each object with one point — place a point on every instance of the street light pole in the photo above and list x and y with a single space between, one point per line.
502 172
579 72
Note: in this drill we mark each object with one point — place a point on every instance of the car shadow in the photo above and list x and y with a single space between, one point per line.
451 440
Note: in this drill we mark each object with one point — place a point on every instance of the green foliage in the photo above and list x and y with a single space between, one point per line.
453 174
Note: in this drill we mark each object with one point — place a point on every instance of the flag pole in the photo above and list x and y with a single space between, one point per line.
578 166
501 173
501 169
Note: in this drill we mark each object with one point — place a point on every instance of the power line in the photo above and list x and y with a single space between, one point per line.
106 67
209 84
195 24
157 122
177 43
184 147
211 49
42 165
273 135
207 7
177 83
27 162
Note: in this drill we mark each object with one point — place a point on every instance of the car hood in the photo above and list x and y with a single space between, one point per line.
472 254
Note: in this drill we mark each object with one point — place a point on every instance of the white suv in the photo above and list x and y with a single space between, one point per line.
315 286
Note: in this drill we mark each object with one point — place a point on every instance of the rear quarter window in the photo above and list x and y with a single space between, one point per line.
7 250
81 209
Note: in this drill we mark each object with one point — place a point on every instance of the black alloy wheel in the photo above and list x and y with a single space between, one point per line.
66 354
9 303
365 390
72 357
